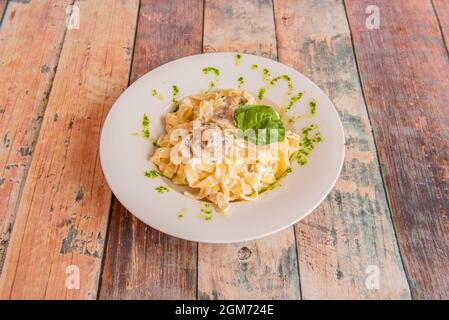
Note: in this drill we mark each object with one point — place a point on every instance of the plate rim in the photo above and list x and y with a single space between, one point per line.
240 239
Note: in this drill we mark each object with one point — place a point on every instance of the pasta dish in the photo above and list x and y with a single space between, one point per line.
223 147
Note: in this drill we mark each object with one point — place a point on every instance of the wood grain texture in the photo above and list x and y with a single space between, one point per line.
243 26
352 229
63 215
28 60
405 68
442 12
266 268
141 262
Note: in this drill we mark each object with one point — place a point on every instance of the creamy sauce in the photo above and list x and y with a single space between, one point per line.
276 184
224 114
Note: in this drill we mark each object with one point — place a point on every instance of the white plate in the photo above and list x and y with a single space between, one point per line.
124 156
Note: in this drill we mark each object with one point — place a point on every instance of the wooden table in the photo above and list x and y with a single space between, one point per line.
382 233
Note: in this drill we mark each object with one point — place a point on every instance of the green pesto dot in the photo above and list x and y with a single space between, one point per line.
152 174
162 189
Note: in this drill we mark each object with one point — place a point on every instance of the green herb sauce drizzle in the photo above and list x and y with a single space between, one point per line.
266 74
240 82
285 78
181 213
152 174
307 144
154 93
215 71
162 189
208 70
272 82
206 212
310 114
175 94
254 67
276 184
146 127
293 101
238 59
261 93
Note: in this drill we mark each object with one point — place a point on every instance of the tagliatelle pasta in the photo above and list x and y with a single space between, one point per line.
203 150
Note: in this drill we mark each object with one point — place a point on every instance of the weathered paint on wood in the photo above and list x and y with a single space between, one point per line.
261 269
28 60
405 68
242 26
442 12
141 262
265 268
62 218
352 229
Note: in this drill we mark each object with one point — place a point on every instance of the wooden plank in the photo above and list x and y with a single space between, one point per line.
28 60
442 12
266 268
405 67
352 229
141 262
63 214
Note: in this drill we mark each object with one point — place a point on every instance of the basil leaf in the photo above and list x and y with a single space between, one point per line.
259 124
